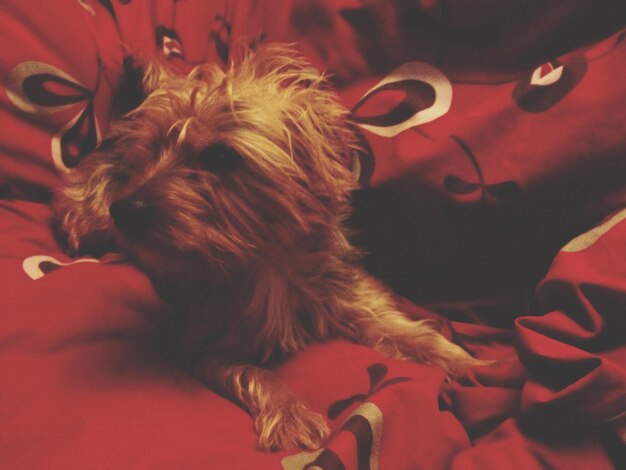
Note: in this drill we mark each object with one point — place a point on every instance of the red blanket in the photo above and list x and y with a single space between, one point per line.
494 199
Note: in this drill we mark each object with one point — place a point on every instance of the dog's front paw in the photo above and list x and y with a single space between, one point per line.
290 426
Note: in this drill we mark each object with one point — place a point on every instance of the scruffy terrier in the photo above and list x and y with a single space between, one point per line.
231 190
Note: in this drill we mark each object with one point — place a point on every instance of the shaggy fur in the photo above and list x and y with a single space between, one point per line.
231 189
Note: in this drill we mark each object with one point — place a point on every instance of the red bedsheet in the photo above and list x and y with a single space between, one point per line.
494 199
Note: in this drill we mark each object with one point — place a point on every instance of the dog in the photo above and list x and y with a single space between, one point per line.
230 190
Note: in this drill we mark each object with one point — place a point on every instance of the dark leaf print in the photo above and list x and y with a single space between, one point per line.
456 185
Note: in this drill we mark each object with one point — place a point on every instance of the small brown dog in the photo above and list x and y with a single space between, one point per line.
230 190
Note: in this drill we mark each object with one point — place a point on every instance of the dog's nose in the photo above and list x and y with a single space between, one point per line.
130 214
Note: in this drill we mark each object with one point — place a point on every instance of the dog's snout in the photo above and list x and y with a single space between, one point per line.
130 214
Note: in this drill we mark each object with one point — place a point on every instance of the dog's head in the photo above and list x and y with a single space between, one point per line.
218 168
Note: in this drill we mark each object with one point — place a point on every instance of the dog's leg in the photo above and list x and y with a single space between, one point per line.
394 334
281 419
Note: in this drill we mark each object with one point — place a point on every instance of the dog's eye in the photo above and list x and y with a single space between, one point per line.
219 159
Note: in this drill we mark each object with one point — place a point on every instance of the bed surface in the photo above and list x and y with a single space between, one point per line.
493 201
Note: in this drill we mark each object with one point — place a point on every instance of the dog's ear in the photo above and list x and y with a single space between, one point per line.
141 77
156 72
323 139
282 61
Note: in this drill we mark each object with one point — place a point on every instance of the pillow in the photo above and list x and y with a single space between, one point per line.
55 91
